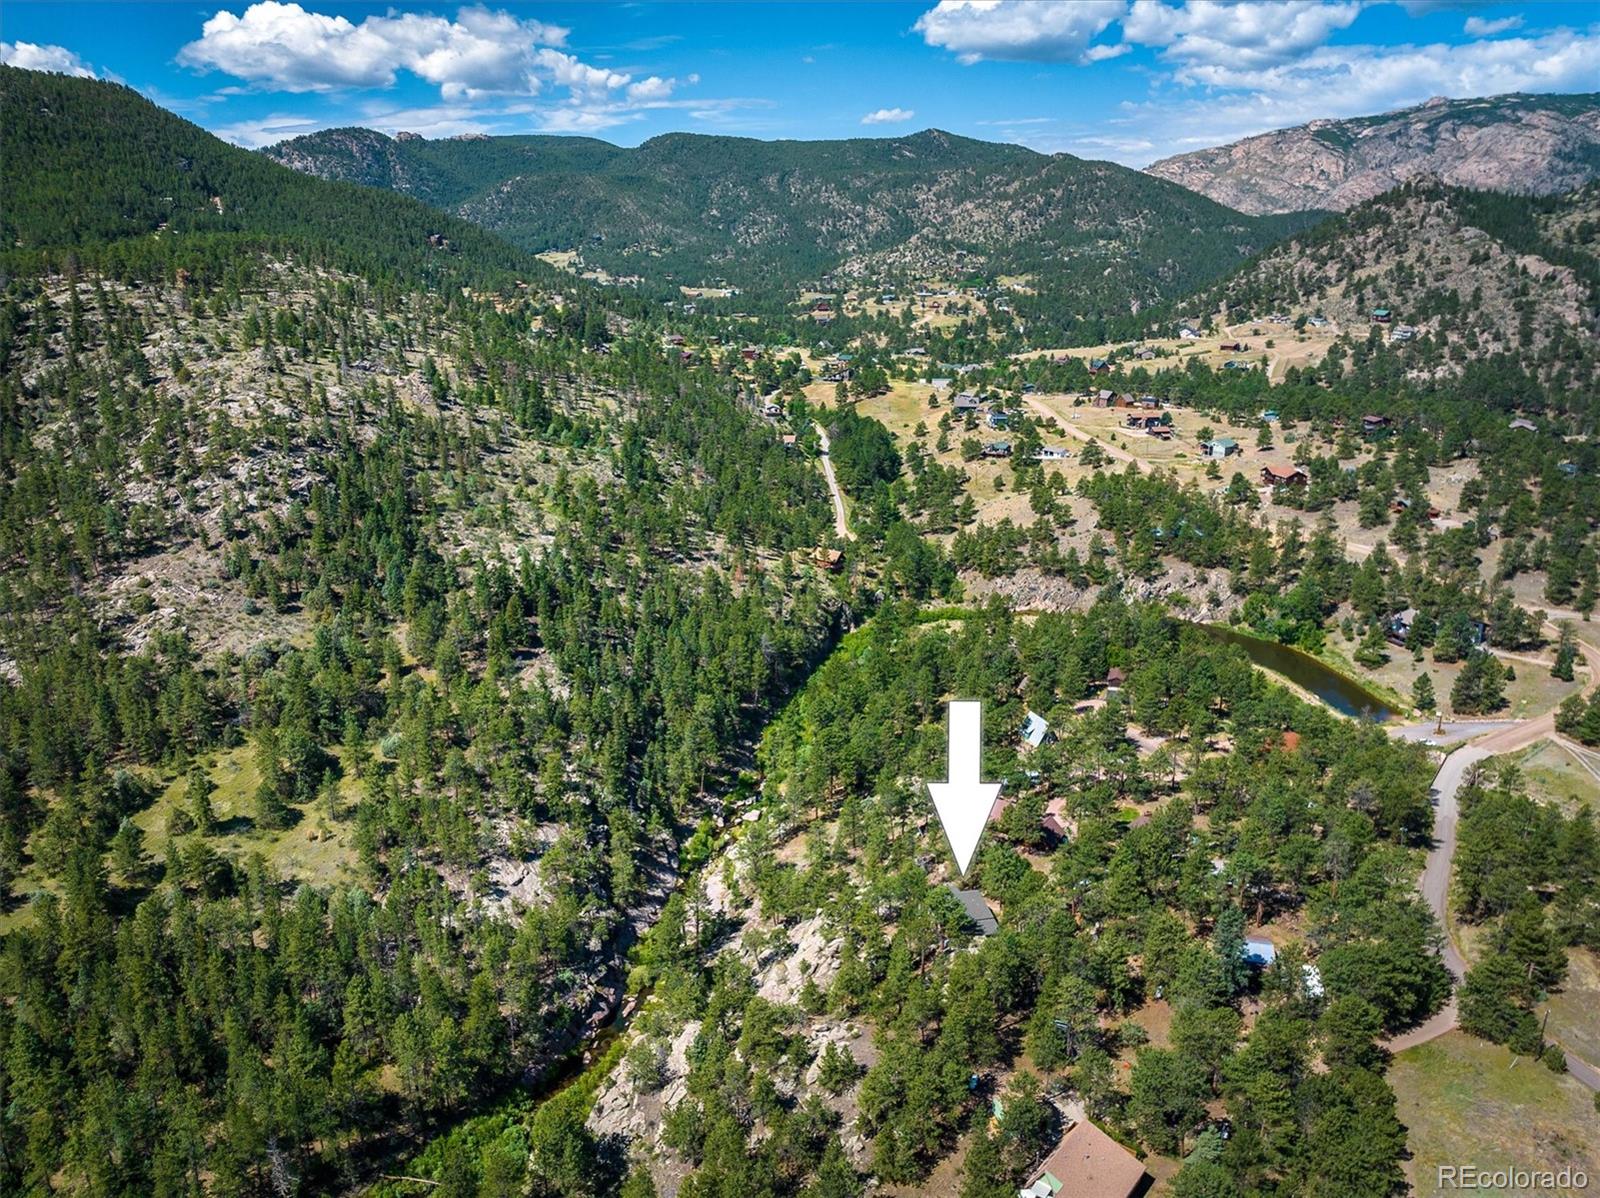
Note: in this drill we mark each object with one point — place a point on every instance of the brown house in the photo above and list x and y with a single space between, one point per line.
1087 1164
1283 476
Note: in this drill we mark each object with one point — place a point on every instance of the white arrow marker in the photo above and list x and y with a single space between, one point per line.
964 803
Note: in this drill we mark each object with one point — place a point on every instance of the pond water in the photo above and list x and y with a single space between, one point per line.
1339 691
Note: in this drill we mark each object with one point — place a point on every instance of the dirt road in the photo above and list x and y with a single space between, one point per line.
841 524
1116 453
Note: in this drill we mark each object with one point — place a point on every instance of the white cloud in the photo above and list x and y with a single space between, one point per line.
888 116
1025 30
287 48
1247 35
33 57
1484 27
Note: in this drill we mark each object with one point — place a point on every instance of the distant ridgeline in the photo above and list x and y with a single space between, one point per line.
97 174
767 216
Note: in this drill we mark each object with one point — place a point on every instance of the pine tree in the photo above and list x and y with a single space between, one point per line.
1566 653
197 799
1422 696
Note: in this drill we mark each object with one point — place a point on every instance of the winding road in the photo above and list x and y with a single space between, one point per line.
1435 883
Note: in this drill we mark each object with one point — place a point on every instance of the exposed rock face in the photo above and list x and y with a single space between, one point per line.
1527 144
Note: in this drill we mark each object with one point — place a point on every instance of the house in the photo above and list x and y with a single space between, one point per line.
1087 1163
1373 423
1146 355
1114 680
1050 453
997 449
939 384
998 418
1382 316
1221 447
1259 951
1161 433
1099 366
1402 332
1283 476
1523 424
972 902
1104 398
1188 334
1238 364
772 409
1036 731
749 353
1318 322
830 559
1397 628
965 402
790 441
1233 347
1146 422
1270 415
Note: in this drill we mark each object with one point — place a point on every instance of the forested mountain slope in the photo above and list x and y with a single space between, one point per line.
369 654
762 214
1473 276
1536 145
89 163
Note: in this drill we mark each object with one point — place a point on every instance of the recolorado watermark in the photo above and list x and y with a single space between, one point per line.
1515 1180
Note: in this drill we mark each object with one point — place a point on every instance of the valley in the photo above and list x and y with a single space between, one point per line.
478 619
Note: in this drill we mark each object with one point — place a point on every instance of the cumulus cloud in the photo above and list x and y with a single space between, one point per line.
1249 35
1485 27
1020 30
287 48
888 116
33 57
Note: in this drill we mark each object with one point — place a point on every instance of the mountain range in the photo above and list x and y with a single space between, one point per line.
693 209
1537 145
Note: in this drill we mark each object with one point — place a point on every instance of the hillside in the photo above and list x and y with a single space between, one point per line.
770 215
1474 275
1519 143
90 163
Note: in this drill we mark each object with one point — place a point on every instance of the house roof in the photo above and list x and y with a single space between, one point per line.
1258 950
1284 473
1225 443
1034 729
1089 1164
972 902
1115 676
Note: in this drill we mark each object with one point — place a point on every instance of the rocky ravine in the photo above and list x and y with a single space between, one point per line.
1538 144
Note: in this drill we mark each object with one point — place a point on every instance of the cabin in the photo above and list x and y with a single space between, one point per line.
977 909
1221 447
831 560
1114 679
1160 432
1099 366
997 449
1087 1163
1036 731
1372 423
1283 476
1146 422
1104 398
998 418
790 441
1233 347
965 402
1382 316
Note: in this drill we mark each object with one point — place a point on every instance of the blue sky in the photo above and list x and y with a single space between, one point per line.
1129 80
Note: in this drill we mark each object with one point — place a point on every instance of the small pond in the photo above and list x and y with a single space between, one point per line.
1339 691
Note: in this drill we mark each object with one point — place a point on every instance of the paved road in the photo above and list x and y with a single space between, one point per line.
840 524
1496 737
